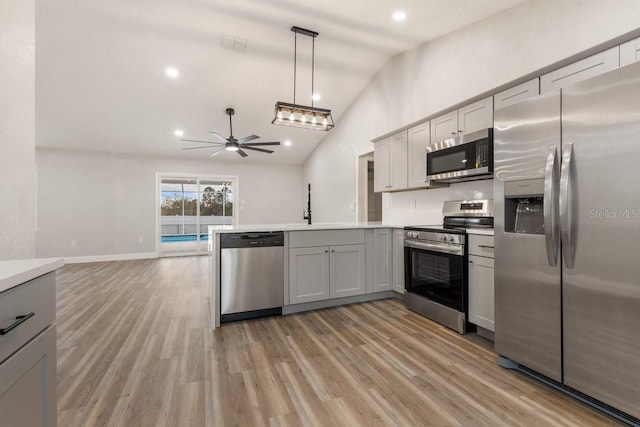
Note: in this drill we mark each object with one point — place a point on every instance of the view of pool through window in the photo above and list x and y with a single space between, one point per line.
188 206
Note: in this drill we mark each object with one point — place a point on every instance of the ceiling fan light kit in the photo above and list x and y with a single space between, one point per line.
231 143
297 115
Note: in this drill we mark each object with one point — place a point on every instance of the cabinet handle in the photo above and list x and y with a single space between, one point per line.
453 133
460 131
485 246
470 262
19 320
326 252
333 251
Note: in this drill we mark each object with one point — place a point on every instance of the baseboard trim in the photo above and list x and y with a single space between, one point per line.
106 258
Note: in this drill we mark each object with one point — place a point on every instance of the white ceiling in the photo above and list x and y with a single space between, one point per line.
100 66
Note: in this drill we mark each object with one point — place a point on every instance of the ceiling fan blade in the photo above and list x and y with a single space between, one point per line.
248 138
204 142
257 149
196 148
217 135
251 144
242 153
216 152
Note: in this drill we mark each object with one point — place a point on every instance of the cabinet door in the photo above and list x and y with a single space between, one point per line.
476 116
347 271
398 261
580 70
516 94
481 294
308 274
382 259
398 162
381 161
28 383
417 158
630 52
444 127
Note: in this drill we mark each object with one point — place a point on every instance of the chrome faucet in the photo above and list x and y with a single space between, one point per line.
307 213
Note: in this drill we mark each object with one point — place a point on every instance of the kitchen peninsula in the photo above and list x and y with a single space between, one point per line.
340 263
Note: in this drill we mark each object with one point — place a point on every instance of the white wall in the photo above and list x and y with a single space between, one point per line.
105 202
445 72
17 129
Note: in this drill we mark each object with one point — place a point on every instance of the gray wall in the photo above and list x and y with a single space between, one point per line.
17 129
445 72
106 202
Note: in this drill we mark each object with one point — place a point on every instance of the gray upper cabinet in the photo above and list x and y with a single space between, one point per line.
630 52
476 116
467 119
417 161
445 126
581 70
390 163
517 93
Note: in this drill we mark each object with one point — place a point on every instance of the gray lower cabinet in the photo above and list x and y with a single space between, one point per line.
398 261
308 274
323 272
28 354
481 281
382 259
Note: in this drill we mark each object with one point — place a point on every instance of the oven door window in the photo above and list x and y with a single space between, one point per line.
437 276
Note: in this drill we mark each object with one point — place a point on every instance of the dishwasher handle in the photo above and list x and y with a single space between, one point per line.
251 240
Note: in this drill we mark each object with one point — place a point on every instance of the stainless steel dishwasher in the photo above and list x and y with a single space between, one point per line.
251 275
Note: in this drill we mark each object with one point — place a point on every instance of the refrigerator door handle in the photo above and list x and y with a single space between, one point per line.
550 206
565 205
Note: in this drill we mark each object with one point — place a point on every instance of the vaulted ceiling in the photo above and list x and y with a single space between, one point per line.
101 81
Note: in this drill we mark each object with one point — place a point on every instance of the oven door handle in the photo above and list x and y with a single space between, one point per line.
449 249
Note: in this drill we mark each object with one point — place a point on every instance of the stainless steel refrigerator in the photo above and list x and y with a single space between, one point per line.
567 237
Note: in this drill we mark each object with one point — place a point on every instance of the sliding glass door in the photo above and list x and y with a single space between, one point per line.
188 206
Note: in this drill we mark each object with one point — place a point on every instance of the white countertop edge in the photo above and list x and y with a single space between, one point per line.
481 231
16 272
296 227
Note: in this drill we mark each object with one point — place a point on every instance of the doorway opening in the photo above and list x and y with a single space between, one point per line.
369 202
187 206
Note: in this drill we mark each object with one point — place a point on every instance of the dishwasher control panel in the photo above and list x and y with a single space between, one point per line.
251 240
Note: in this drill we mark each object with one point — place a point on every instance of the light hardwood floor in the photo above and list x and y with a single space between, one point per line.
134 349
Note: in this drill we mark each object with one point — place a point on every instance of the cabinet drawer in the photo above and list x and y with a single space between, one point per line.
305 239
35 296
481 245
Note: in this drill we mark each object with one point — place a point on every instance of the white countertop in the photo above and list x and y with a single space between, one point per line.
16 272
481 231
297 227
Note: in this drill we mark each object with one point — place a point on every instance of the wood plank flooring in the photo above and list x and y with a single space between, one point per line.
134 349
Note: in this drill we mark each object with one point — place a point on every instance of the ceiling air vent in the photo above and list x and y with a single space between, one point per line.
230 42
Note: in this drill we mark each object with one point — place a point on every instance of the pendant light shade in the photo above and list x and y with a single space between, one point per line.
297 115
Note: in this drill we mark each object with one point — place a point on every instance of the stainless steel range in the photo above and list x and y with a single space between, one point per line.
435 258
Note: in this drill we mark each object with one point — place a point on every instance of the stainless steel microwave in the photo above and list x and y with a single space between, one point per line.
461 158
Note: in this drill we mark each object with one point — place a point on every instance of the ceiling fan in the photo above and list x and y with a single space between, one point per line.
231 143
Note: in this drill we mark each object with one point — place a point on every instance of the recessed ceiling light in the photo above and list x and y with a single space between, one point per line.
178 132
172 72
399 15
316 97
287 143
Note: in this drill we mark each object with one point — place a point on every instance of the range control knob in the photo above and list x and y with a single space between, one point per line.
450 238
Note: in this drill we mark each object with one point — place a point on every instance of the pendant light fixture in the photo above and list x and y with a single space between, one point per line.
297 115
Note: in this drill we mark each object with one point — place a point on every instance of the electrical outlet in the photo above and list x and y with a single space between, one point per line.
352 206
74 242
412 203
140 239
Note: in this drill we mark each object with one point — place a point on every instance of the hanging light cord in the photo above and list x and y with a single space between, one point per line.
295 61
313 64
